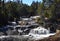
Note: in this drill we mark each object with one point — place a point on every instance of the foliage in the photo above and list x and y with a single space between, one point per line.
10 10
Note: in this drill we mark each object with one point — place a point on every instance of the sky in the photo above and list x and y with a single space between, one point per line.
29 2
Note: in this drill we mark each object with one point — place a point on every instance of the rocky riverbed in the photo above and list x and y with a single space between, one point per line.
21 38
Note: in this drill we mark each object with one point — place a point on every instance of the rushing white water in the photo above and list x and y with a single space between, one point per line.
36 34
40 33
